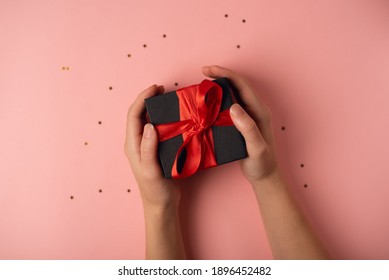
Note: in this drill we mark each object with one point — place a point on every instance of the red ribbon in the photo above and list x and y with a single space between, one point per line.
199 110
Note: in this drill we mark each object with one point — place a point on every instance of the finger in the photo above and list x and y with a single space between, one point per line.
242 85
148 151
249 129
216 71
252 104
135 120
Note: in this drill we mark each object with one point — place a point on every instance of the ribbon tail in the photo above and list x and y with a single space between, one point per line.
208 158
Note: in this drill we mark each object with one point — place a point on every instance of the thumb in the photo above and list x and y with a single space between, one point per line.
249 129
148 150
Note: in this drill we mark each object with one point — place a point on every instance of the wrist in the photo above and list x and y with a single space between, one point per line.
160 209
159 197
271 182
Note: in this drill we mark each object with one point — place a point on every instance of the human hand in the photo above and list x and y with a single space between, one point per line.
254 122
141 150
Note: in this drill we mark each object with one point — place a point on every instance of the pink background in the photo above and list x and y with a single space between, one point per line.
323 68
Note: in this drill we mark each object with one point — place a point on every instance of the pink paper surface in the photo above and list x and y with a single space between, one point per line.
322 67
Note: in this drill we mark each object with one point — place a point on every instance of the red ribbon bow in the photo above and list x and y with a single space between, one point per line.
199 110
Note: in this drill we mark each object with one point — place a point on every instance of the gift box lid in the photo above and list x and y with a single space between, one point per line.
229 144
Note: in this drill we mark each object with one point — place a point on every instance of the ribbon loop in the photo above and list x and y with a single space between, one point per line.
199 110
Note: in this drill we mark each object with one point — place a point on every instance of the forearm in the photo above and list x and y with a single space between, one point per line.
163 233
290 236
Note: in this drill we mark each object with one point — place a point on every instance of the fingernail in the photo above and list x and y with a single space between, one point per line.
161 89
236 110
148 131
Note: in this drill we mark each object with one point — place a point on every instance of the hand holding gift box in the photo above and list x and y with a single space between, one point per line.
195 129
289 234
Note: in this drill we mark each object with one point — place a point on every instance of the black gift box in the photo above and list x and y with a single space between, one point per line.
229 144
